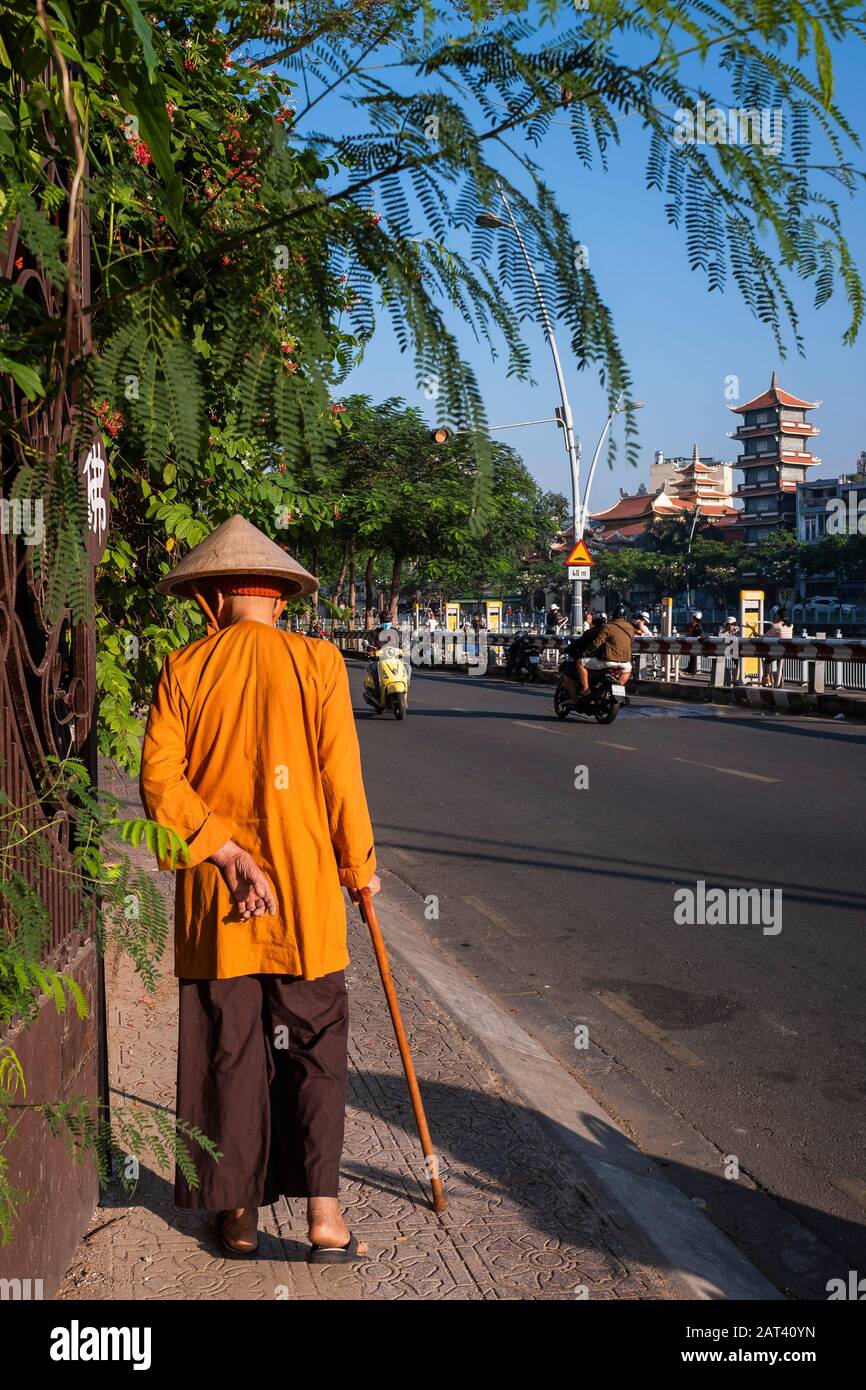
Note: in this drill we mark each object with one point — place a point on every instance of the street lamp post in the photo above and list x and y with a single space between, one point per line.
689 557
563 413
564 417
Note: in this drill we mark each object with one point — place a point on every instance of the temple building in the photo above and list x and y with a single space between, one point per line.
689 486
774 433
674 475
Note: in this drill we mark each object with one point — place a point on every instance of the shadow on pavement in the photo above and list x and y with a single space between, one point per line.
504 1162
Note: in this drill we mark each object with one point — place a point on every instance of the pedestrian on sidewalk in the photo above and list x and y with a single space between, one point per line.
555 619
250 754
779 627
696 629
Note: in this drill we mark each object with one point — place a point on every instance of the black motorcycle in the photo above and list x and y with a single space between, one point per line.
524 659
602 701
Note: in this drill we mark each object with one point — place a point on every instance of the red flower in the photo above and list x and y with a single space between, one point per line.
141 154
110 420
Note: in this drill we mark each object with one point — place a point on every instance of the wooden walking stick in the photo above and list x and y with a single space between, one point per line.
368 912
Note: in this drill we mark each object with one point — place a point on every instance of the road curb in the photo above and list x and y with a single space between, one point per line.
781 701
627 1184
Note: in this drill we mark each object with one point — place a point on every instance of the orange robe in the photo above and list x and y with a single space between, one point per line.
251 737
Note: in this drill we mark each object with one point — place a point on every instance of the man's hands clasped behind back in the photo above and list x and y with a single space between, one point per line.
250 887
248 884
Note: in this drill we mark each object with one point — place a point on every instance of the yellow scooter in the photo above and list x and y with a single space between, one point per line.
393 682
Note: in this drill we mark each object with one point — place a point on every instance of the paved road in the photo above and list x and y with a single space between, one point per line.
706 1040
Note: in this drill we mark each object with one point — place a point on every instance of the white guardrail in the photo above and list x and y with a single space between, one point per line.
813 664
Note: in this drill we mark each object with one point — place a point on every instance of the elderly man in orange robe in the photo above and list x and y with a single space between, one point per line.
251 756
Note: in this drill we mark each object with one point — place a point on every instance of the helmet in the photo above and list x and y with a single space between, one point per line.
599 617
697 613
619 612
554 608
730 619
645 617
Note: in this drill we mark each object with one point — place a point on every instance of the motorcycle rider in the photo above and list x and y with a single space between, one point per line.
569 666
641 625
609 646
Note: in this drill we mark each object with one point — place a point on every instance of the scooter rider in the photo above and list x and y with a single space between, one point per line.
381 636
610 646
569 666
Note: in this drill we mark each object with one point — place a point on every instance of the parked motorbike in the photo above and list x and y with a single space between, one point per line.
393 691
524 658
603 699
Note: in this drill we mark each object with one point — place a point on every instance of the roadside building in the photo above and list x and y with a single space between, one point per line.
832 506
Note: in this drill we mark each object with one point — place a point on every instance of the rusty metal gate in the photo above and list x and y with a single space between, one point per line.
48 707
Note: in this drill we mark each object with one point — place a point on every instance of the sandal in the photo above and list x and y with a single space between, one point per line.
235 1251
336 1254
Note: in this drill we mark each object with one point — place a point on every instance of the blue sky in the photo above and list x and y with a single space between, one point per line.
681 342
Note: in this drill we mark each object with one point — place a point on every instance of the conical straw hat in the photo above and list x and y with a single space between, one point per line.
236 547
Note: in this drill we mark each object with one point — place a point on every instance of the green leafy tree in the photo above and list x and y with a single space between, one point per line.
243 258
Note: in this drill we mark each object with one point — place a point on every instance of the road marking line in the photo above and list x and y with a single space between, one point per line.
401 854
626 747
731 771
545 729
492 916
674 1049
852 1187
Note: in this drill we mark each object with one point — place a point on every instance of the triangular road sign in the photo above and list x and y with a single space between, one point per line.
580 555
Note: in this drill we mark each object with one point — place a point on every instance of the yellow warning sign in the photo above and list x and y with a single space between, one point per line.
580 555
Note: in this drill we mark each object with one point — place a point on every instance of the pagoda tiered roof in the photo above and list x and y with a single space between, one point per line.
775 396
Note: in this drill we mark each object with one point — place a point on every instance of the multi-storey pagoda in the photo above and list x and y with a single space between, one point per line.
774 435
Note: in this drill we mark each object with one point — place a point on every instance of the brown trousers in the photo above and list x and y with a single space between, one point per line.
261 1070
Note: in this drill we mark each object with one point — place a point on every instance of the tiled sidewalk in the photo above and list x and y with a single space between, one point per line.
517 1227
